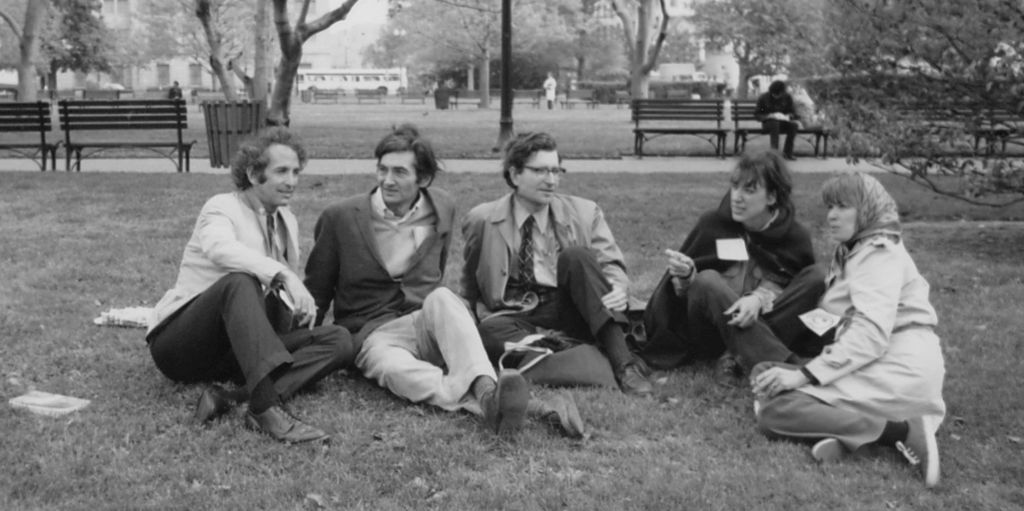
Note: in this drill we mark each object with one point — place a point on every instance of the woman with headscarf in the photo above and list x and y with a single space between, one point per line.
742 277
880 382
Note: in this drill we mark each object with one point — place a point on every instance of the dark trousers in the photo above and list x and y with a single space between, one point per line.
800 416
225 334
773 337
774 127
574 307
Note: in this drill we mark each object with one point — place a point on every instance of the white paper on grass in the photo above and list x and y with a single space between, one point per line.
45 403
731 249
819 320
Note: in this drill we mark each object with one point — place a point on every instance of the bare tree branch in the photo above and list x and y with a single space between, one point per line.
461 5
14 27
318 25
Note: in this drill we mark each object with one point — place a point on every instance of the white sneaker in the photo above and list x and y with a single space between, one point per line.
921 450
828 451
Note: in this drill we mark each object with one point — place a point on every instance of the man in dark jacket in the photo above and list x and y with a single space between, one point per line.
777 115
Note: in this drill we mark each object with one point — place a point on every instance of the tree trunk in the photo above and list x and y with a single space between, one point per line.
259 71
284 81
51 83
485 79
29 49
227 85
470 78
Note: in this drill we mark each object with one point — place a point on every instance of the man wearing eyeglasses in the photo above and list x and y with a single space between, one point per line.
380 258
537 260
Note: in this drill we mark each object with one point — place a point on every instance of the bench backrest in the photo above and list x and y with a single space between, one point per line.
372 93
677 110
743 111
25 116
135 114
526 93
101 94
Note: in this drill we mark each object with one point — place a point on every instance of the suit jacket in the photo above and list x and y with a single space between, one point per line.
345 266
227 238
489 231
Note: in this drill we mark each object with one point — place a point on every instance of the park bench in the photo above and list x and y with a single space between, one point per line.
575 97
746 125
701 118
24 118
325 95
531 96
997 127
413 97
376 95
101 94
129 115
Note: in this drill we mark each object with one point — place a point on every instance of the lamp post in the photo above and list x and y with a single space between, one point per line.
505 129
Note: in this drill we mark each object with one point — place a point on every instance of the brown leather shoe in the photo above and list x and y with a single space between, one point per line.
213 402
283 427
504 407
559 411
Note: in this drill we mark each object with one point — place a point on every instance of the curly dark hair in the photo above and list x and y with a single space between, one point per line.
520 148
251 154
407 138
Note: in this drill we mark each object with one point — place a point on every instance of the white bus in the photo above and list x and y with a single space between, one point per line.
391 81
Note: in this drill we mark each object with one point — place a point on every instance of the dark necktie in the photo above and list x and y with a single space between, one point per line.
272 244
526 276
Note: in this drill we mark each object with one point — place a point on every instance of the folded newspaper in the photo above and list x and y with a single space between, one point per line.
131 317
45 403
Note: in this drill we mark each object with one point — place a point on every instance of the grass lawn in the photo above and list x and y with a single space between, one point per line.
76 245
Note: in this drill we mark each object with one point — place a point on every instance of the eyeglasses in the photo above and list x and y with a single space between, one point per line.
547 171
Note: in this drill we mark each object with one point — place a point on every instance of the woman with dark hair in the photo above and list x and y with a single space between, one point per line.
880 382
740 280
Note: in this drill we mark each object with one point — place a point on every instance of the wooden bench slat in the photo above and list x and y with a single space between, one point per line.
662 111
122 115
23 117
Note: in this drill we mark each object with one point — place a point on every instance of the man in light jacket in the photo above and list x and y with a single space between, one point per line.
231 312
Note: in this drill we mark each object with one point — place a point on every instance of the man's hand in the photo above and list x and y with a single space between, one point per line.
305 305
616 299
745 311
775 380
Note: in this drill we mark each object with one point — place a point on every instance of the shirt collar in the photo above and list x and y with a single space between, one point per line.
377 203
771 220
520 213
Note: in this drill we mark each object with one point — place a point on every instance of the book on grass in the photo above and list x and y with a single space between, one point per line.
45 403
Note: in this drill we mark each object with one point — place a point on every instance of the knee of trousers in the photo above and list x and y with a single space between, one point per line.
771 418
574 259
236 282
345 349
442 298
707 282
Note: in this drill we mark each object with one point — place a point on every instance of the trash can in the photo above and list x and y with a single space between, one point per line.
442 96
227 123
306 95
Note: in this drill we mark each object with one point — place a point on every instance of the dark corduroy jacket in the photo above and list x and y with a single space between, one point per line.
345 265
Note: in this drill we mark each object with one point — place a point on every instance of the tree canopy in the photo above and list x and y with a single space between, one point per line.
897 63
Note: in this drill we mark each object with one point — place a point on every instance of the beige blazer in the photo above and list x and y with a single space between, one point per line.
489 232
227 238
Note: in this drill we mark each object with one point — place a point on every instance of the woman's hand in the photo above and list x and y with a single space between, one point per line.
679 264
745 311
771 382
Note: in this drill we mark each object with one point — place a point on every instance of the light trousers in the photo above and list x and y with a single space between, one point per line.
432 355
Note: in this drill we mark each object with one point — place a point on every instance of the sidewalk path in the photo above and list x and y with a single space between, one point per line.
366 166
